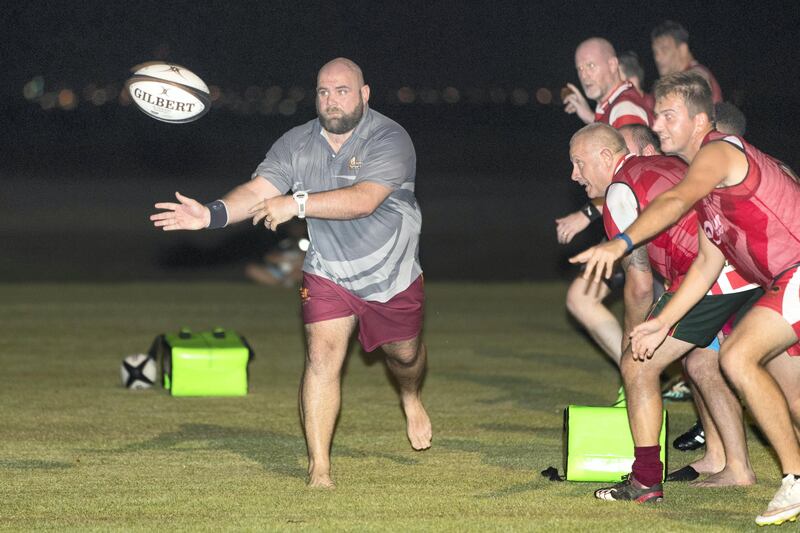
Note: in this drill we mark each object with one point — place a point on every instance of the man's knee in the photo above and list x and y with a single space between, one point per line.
581 297
574 300
406 353
634 371
327 341
631 370
734 362
702 365
324 358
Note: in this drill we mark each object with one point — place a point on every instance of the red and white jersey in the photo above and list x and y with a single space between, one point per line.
624 106
716 90
755 223
637 181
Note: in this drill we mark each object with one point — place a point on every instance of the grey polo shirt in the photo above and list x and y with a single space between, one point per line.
374 257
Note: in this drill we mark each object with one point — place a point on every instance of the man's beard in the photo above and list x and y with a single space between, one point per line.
345 123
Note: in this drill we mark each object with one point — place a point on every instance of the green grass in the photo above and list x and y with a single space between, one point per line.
79 452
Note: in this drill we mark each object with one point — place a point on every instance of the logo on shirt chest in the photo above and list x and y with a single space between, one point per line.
354 164
713 229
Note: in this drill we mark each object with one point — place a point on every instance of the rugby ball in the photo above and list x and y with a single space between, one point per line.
138 371
169 92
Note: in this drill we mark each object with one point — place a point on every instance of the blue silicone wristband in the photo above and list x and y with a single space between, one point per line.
628 241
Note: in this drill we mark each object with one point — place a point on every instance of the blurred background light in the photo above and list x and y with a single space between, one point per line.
297 94
67 99
287 107
406 95
34 88
99 97
215 93
544 96
451 95
273 94
519 97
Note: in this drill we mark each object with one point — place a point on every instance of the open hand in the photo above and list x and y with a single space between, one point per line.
600 259
188 214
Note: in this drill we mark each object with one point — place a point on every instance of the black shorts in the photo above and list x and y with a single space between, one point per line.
702 323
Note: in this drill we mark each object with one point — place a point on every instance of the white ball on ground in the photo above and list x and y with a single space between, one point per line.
138 371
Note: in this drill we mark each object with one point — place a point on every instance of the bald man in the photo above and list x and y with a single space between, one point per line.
602 164
351 172
618 101
746 203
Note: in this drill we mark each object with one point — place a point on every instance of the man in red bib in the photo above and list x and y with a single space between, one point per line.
746 205
670 43
601 163
618 101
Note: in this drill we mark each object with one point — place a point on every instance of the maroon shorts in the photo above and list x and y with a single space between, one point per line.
784 297
399 319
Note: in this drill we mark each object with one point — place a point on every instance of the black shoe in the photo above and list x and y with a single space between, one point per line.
687 473
631 490
693 439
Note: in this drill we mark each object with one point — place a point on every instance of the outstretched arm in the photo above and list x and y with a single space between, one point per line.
356 201
709 168
706 268
189 214
637 293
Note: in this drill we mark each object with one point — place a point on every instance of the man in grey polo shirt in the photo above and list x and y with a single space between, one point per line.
351 172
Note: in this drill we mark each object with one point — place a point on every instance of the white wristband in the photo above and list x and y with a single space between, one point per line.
301 197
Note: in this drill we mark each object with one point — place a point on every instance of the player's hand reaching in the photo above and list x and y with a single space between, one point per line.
647 337
600 259
569 226
576 103
274 211
189 214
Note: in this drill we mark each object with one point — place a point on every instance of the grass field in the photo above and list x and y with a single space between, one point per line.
79 452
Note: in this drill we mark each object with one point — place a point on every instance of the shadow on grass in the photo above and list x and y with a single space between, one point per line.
550 431
279 453
595 361
511 456
533 394
33 464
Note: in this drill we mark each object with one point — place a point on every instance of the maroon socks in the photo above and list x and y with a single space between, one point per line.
647 466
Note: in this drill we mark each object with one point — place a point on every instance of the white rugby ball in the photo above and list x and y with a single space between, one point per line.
169 92
138 371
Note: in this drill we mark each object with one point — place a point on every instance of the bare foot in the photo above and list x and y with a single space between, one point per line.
418 424
704 465
726 478
320 481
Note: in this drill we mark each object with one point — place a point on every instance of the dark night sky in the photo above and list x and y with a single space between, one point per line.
418 43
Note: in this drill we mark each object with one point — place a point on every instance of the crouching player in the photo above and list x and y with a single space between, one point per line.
601 160
746 202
